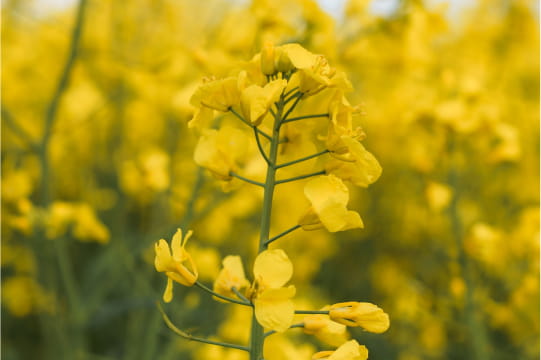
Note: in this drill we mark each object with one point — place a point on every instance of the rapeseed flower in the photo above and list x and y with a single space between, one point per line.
329 196
175 262
366 315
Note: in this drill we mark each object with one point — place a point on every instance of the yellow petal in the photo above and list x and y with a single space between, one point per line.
231 275
163 256
362 168
274 310
324 189
273 268
337 218
256 100
176 246
299 56
350 350
168 293
201 118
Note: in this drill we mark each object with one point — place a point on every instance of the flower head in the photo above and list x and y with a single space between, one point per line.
175 262
329 197
272 301
256 101
356 164
366 315
218 94
231 276
220 150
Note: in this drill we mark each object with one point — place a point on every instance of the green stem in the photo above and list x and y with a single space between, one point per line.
291 91
322 172
226 298
299 325
240 295
305 117
52 109
246 179
257 338
282 234
312 312
284 118
478 340
241 118
302 159
18 130
187 336
260 147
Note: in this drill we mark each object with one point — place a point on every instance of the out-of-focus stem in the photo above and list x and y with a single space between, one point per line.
477 332
52 109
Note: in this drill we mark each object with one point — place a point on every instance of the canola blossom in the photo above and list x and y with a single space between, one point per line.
385 163
175 262
264 97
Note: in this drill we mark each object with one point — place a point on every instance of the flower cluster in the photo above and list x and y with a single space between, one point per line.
250 127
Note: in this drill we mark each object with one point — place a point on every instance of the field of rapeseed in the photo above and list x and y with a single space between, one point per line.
259 180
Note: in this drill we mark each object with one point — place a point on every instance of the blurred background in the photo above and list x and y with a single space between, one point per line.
97 166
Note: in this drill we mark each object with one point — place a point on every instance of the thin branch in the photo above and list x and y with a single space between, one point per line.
20 131
226 298
291 91
302 159
322 172
305 117
246 179
52 109
299 325
299 94
282 234
65 76
239 294
291 108
241 118
260 147
187 336
311 312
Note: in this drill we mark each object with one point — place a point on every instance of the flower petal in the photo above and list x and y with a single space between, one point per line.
168 293
176 245
163 256
274 310
273 268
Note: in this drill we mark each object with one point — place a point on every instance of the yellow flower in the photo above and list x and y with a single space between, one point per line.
231 275
326 330
173 260
293 56
316 77
256 101
218 94
350 350
438 195
341 126
274 309
219 150
357 164
329 197
366 315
